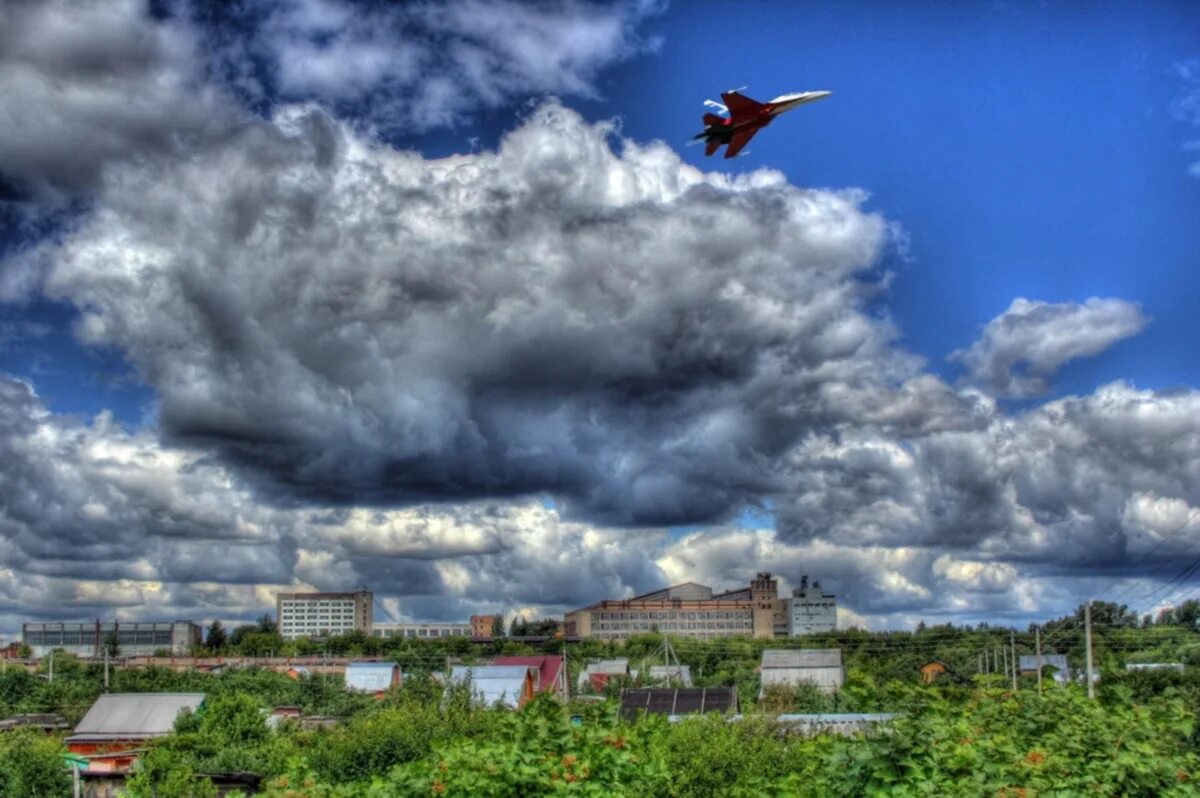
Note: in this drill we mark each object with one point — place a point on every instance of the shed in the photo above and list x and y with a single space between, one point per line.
548 675
792 667
680 675
121 721
933 669
597 674
296 671
372 677
675 701
1028 665
510 685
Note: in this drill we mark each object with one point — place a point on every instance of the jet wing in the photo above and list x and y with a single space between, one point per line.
739 140
713 145
740 105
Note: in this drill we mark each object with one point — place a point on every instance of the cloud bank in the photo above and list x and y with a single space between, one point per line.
372 367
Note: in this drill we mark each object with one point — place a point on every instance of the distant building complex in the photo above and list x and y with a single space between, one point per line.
811 610
324 614
126 638
693 610
421 630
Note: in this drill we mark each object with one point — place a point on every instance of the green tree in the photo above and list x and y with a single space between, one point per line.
215 640
31 766
498 626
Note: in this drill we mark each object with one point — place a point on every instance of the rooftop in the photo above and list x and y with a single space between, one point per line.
134 715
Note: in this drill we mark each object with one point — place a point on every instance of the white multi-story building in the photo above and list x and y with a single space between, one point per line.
323 614
811 610
422 630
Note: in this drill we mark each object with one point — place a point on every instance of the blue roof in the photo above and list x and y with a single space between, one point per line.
370 677
493 683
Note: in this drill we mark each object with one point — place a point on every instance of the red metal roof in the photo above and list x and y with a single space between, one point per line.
548 667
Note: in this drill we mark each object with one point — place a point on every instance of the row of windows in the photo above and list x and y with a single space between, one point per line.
132 637
321 603
452 632
672 615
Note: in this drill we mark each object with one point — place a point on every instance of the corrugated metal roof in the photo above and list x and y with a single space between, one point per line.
370 677
613 667
493 683
802 658
118 715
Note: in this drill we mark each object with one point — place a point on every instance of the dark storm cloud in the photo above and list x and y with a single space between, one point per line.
366 326
84 84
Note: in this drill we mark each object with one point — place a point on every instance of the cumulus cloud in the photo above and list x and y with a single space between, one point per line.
1022 348
362 325
83 84
97 520
425 65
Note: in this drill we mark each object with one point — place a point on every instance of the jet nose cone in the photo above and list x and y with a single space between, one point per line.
820 95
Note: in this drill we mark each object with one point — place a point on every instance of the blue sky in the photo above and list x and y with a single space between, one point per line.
321 345
1024 149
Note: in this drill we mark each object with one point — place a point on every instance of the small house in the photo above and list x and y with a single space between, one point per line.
793 667
548 673
932 669
375 678
1028 666
508 685
677 701
597 674
124 721
680 675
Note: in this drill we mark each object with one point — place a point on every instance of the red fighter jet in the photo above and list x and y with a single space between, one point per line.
745 118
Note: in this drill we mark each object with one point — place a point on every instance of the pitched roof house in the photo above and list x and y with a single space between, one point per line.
548 674
509 685
122 721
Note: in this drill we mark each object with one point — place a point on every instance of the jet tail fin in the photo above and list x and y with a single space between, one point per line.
712 146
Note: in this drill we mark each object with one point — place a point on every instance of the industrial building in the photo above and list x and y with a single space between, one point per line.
324 614
687 610
811 610
421 631
130 638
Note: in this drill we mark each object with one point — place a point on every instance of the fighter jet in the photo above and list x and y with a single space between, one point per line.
742 117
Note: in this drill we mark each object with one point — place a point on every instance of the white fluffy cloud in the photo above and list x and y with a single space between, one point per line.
423 65
1022 348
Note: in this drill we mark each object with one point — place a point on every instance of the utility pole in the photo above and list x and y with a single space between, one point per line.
1087 633
51 667
106 669
1012 644
1037 631
566 675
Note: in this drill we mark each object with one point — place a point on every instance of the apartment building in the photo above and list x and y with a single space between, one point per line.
687 610
324 614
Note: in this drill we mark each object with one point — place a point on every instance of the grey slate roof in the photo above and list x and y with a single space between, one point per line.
134 715
802 658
